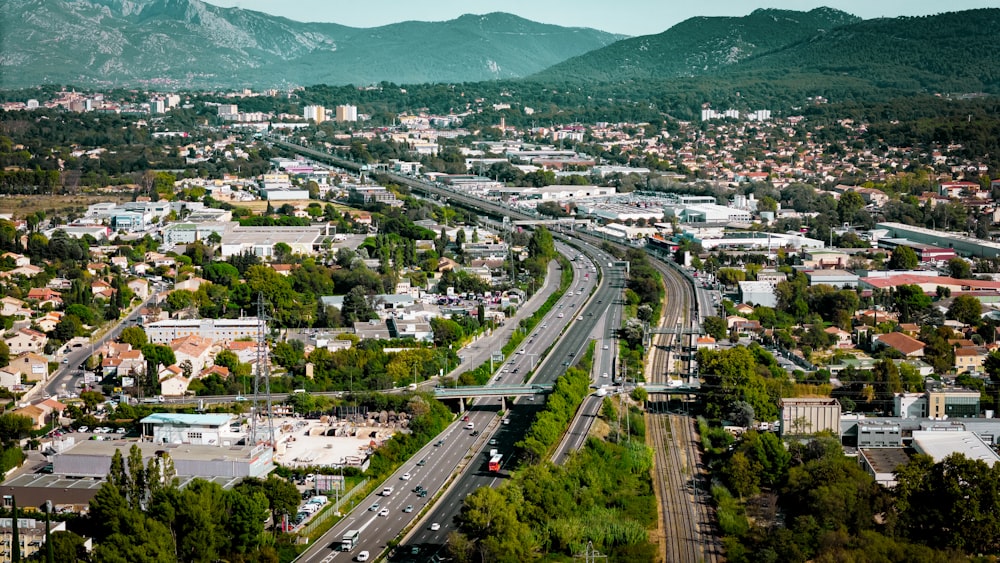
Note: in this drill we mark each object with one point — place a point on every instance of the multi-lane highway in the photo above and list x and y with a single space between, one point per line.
564 353
683 310
460 449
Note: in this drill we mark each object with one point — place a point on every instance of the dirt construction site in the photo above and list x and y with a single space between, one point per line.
332 442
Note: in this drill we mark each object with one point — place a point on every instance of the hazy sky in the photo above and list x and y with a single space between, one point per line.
630 17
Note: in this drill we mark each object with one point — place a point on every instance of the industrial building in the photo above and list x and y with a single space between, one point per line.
192 429
925 252
224 465
220 330
962 244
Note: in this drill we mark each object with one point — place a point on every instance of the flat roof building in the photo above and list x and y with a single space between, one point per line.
940 444
222 330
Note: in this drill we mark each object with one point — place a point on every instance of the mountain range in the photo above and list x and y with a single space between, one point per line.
953 52
189 43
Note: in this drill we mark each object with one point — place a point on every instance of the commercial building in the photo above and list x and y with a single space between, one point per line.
372 194
800 416
758 293
713 239
219 330
260 241
191 429
30 531
952 402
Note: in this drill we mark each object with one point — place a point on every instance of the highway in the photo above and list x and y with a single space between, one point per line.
460 452
564 353
684 532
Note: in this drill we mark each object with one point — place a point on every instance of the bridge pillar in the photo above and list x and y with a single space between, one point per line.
461 405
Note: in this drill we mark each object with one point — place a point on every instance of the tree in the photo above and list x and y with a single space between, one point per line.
69 327
903 258
356 306
715 327
13 427
966 309
959 268
850 203
67 546
911 301
135 336
4 354
446 331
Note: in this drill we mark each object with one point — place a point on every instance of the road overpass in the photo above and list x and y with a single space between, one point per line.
472 391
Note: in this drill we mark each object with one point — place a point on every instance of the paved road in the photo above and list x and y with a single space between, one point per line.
460 449
62 380
566 351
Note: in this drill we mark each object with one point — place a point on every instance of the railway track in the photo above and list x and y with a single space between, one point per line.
686 513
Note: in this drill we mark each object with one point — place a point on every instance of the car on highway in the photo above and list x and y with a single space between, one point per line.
605 346
409 508
493 442
604 375
565 364
435 527
404 477
383 512
363 556
439 443
373 507
422 463
560 315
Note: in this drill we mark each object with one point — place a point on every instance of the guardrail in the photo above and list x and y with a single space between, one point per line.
325 515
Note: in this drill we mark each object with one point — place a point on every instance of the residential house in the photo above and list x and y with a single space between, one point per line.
28 271
190 284
194 349
120 262
44 295
744 309
49 321
26 340
140 288
175 386
902 343
32 366
221 371
19 260
841 338
13 307
969 360
705 342
38 416
132 361
10 379
102 289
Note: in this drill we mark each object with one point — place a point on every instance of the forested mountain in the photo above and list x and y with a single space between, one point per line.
698 46
188 43
826 50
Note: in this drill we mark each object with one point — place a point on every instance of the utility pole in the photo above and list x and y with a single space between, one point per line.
590 554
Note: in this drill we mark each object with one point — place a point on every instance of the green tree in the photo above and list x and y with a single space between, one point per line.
849 204
903 258
356 306
68 547
69 327
959 268
715 327
911 302
966 309
446 331
542 244
135 336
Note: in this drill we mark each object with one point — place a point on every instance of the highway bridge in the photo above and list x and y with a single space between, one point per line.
471 391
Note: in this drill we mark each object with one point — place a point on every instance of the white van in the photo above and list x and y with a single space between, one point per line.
387 491
318 499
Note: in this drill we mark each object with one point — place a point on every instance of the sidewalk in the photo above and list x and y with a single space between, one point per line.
478 351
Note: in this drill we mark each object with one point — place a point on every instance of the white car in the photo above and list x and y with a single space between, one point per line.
405 477
605 346
83 429
435 527
363 556
383 512
604 375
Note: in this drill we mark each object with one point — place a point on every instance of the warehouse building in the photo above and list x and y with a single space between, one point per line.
962 244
